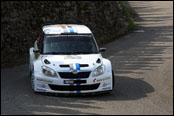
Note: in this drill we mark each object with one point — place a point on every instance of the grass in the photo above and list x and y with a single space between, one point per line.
132 25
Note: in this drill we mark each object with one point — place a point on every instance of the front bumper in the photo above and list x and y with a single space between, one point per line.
82 85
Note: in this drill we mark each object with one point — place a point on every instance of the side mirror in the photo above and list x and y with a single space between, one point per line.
102 49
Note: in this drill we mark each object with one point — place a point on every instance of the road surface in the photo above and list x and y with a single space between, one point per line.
143 66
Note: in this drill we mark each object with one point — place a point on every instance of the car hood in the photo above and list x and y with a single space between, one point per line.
60 63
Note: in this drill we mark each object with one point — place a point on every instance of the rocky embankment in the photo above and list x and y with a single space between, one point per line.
21 22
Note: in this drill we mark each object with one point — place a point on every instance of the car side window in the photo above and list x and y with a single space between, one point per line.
36 45
40 42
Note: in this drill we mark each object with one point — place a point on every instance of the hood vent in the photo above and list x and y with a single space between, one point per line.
46 61
98 61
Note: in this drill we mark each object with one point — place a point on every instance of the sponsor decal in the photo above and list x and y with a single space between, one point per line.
72 57
106 88
44 80
63 25
94 80
41 90
52 31
102 79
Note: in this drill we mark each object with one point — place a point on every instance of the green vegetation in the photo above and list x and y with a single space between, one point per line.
132 25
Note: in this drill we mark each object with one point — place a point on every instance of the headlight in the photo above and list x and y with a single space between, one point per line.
98 71
48 71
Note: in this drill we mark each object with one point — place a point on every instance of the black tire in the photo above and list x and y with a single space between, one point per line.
31 81
113 80
30 73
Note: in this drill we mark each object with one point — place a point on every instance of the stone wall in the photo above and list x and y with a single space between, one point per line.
21 22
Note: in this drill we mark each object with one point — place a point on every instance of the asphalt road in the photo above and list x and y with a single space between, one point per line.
143 66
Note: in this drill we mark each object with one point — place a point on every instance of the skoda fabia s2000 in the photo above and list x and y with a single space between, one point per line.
66 59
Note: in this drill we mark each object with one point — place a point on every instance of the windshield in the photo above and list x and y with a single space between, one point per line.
69 44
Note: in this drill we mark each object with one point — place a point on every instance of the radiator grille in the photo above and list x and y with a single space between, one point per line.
70 75
74 88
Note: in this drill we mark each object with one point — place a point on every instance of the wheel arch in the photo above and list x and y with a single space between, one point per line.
107 64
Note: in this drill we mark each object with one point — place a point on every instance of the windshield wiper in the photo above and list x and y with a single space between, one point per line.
69 53
60 53
53 53
81 52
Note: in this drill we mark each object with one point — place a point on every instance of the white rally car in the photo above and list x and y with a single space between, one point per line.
66 59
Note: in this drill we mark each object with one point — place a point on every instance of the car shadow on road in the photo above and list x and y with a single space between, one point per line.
126 89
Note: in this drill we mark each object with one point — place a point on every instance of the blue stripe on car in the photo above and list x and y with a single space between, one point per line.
78 91
71 29
77 66
78 84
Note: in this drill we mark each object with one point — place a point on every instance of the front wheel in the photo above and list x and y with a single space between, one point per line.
113 80
32 80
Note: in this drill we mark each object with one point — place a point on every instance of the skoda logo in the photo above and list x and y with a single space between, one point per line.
74 71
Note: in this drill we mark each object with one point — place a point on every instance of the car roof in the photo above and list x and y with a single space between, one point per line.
66 28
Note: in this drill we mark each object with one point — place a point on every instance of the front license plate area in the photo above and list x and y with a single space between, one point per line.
74 81
68 81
